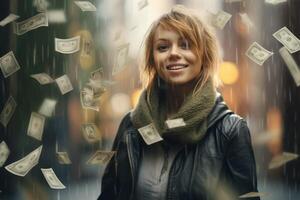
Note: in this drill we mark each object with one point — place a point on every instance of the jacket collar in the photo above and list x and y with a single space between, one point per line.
219 110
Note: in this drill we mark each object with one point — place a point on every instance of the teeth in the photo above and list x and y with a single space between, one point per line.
175 67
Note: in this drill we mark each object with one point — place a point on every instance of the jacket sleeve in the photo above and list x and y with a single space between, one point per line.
108 185
240 160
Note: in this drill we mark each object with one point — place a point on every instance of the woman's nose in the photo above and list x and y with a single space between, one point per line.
174 53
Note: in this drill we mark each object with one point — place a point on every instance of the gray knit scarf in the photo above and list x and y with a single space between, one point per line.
194 112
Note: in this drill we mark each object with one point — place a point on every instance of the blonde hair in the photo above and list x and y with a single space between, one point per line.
203 44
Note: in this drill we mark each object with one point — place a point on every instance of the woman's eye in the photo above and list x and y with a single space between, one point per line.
162 47
185 44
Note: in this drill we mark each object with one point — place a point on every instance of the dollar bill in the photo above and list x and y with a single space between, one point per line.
63 158
67 46
41 5
10 18
85 6
91 132
258 54
52 179
47 108
56 16
64 84
8 111
100 157
142 4
23 166
275 2
253 194
87 99
42 78
31 23
4 153
175 123
120 59
291 64
9 64
36 126
282 159
220 19
149 134
288 39
97 74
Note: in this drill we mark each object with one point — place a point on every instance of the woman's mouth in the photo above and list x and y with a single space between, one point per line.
176 66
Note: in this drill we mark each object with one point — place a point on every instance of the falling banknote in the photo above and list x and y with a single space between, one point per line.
47 108
64 84
85 6
91 132
150 134
87 99
63 158
100 157
8 111
9 64
52 179
282 159
275 2
42 78
288 39
220 19
36 126
4 153
175 123
23 166
10 18
253 194
291 64
120 59
258 54
31 23
41 5
67 46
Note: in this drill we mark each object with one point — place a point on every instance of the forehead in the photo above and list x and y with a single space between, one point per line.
166 34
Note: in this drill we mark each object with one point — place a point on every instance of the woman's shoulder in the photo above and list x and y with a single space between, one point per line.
233 125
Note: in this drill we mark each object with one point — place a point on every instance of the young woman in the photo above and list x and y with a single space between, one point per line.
181 141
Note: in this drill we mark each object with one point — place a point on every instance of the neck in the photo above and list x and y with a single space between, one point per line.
176 94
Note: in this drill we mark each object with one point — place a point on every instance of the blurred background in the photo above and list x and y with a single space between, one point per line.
266 96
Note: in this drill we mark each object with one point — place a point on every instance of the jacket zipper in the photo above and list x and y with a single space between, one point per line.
131 165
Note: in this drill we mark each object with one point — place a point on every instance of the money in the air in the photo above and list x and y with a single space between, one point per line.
23 166
42 78
67 46
64 84
288 39
36 126
9 64
8 111
10 18
85 6
91 132
63 158
31 23
52 179
291 64
4 153
258 54
220 19
100 157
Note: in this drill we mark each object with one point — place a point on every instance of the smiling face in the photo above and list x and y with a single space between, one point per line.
174 59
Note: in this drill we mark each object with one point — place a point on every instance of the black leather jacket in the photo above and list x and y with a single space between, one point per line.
222 164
